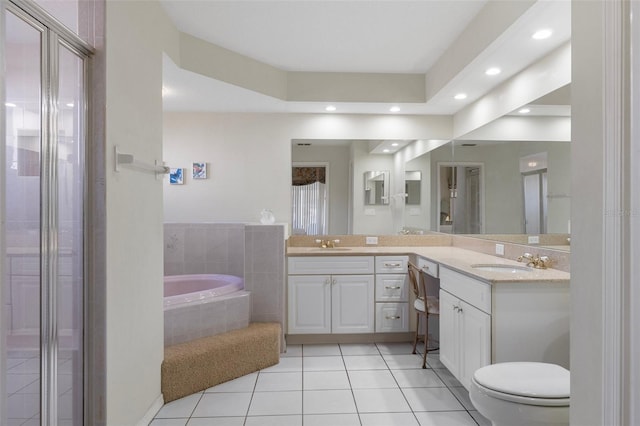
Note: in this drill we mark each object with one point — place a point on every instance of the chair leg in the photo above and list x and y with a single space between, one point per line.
415 339
426 340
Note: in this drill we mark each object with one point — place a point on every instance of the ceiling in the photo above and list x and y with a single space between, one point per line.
449 43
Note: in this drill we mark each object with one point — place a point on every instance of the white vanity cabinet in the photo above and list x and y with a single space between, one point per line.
465 337
482 323
331 294
392 294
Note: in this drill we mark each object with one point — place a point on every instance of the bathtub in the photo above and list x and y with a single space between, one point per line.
198 306
188 289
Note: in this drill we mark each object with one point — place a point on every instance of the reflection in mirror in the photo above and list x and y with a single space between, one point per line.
309 199
412 181
376 187
461 198
502 187
534 183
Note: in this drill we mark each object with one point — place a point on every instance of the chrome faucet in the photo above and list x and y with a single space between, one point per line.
538 262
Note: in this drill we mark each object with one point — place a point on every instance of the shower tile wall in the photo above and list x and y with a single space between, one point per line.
255 252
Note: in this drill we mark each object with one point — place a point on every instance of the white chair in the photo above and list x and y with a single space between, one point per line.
425 306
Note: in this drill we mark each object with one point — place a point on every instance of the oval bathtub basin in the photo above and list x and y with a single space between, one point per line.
498 267
181 289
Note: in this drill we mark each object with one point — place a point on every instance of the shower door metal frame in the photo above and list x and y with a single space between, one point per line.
54 36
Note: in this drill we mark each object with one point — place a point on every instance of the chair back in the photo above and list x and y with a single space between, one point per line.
417 281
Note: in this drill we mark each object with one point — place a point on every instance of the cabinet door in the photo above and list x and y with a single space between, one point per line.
352 307
309 304
449 332
475 329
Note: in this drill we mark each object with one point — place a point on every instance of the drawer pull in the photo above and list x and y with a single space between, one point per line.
393 287
392 265
395 317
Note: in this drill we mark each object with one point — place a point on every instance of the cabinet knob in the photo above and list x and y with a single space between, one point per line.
392 265
333 281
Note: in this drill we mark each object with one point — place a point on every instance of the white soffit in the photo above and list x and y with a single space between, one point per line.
350 36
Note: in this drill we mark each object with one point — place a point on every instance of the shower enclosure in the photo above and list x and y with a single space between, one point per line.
43 192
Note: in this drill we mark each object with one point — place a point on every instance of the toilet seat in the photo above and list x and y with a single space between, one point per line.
531 383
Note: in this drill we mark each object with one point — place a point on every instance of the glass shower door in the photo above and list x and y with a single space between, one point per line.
22 181
43 180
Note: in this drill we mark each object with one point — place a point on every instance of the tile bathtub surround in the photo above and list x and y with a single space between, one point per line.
254 252
329 385
186 323
200 248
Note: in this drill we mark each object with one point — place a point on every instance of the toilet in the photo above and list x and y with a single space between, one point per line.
522 394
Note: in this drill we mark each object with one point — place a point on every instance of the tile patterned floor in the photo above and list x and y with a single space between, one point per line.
23 389
333 385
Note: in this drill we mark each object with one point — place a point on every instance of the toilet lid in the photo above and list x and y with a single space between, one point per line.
530 379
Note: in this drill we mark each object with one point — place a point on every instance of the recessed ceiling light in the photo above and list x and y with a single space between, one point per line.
386 150
395 144
10 105
524 111
330 108
493 71
542 34
70 104
460 96
394 108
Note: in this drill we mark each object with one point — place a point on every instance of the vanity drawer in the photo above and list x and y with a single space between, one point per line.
428 267
474 292
392 288
391 264
392 317
332 265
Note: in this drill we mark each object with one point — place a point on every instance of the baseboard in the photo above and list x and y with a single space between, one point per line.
151 413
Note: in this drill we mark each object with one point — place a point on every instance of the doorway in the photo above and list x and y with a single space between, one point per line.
461 198
43 175
535 202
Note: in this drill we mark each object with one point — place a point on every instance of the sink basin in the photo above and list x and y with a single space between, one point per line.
331 249
498 267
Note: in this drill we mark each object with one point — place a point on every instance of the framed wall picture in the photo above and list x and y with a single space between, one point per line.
199 170
176 176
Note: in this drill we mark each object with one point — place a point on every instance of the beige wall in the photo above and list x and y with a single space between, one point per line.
134 249
587 216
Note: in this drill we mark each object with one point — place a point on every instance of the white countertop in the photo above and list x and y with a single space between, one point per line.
452 257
